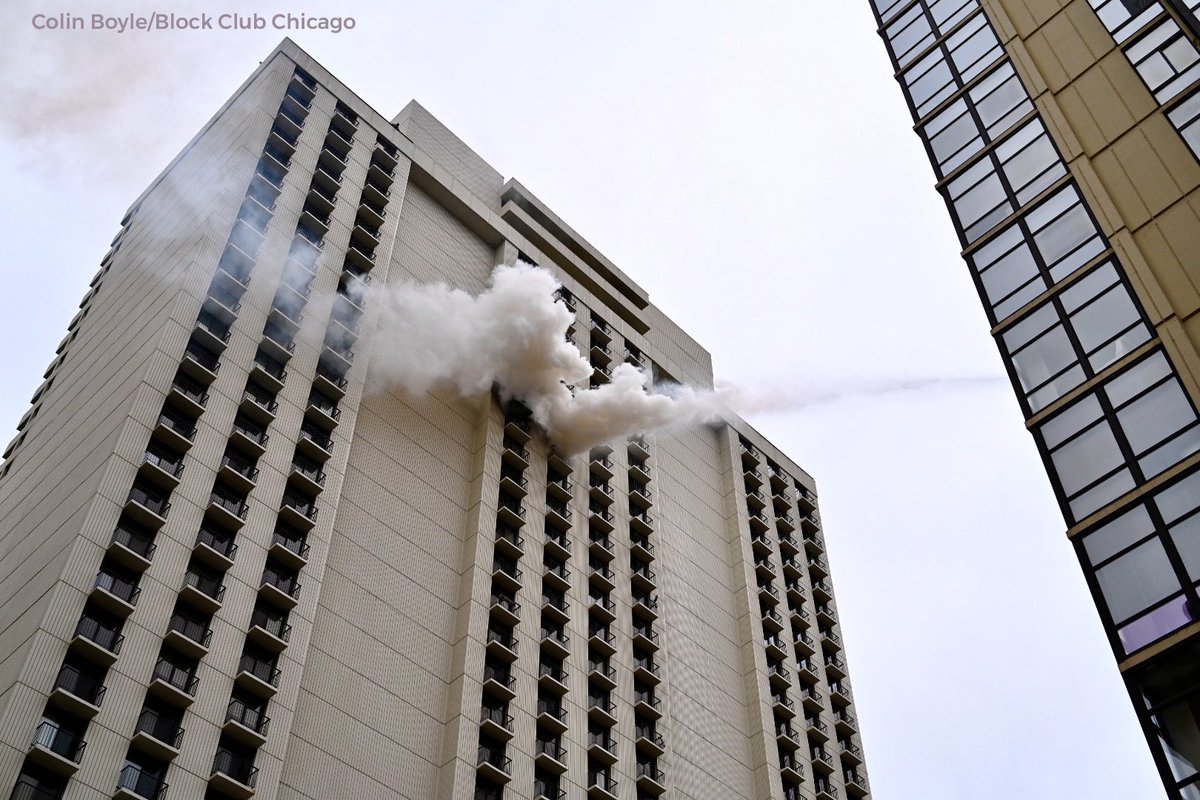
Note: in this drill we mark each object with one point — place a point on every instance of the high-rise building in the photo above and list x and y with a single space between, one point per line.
481 615
1064 137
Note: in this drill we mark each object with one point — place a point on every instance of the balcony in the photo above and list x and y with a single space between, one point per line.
551 716
643 578
330 382
259 405
645 671
246 724
498 683
782 705
601 465
505 609
187 395
651 778
768 594
641 522
558 544
555 608
600 519
816 729
307 476
601 675
552 678
639 496
825 615
649 741
556 643
601 608
839 692
558 515
509 511
229 511
602 642
844 723
138 783
550 756
238 472
495 723
173 684
790 769
174 431
785 736
494 765
600 545
203 592
78 692
822 591
639 448
96 641
646 607
161 468
282 590
269 632
818 567
602 577
641 548
602 788
158 735
233 776
257 676
380 172
557 576
249 436
850 753
602 710
291 549
639 469
116 595
505 573
267 370
189 636
811 699
502 644
56 748
601 748
807 672
645 638
215 547
515 454
646 706
375 192
856 784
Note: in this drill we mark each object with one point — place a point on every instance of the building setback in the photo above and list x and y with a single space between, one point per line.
1064 136
227 567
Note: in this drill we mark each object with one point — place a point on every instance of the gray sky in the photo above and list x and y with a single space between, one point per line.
754 168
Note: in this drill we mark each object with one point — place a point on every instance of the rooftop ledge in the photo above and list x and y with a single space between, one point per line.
516 194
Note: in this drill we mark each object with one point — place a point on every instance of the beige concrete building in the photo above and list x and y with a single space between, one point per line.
226 567
1064 136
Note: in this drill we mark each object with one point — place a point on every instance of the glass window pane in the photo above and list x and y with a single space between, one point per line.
1170 453
1056 388
1100 321
929 82
909 33
1101 494
1186 536
1113 537
1180 499
1145 374
1047 356
1155 416
1158 623
1087 458
1064 236
1000 100
1137 580
1074 418
1089 286
1030 328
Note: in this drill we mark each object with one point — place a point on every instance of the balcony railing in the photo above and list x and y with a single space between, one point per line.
263 670
58 740
86 687
125 590
104 636
161 727
183 679
239 768
276 626
248 716
141 782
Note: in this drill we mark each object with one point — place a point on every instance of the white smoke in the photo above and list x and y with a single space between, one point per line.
513 336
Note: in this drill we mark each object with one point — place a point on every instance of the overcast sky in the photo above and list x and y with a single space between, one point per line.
752 166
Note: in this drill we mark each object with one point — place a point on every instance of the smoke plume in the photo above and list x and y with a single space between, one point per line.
513 336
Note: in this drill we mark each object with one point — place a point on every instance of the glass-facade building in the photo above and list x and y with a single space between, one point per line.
1064 138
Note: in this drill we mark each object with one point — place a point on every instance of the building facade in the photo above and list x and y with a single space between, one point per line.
228 567
1064 137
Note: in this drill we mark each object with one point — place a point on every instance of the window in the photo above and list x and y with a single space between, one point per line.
1166 59
1146 563
956 134
1186 119
1136 425
909 34
1169 693
963 56
1047 244
1082 330
886 8
1124 17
